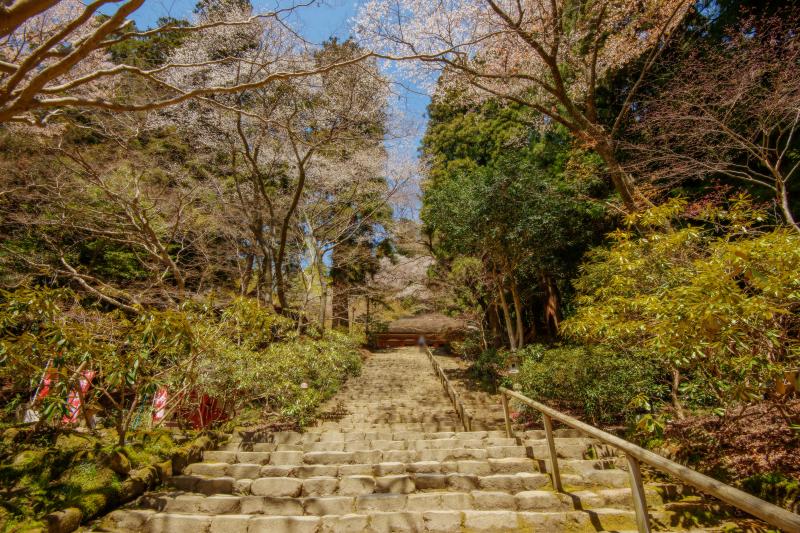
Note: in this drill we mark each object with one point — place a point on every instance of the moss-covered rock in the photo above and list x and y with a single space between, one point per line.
86 472
29 460
89 487
64 521
119 462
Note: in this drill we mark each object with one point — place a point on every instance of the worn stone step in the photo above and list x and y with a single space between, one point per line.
400 426
406 415
348 407
444 521
249 439
587 466
372 456
379 444
374 419
351 403
409 435
533 500
356 482
251 468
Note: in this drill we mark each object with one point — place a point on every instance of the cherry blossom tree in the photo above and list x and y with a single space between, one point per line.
289 144
54 56
548 55
346 195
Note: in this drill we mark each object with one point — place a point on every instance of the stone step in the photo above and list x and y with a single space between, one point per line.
381 456
244 461
360 483
450 421
491 447
369 402
509 465
362 445
292 437
439 521
252 469
565 448
533 500
419 414
505 476
422 409
431 427
350 399
417 434
394 418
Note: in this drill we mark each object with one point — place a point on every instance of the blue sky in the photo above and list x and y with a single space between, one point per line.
316 23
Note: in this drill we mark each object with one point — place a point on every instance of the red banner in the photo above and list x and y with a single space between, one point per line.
74 398
49 378
160 404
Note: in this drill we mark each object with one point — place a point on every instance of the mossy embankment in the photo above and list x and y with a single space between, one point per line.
79 475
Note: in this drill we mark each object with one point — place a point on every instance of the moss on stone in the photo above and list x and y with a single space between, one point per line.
47 472
89 487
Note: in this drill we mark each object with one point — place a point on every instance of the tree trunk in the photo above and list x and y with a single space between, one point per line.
619 178
323 294
280 290
280 284
676 402
265 280
783 199
248 274
512 338
366 319
493 317
518 311
351 315
552 315
339 302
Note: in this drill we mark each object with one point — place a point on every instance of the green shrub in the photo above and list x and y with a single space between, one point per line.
776 488
375 329
272 377
470 347
241 354
488 368
590 381
716 300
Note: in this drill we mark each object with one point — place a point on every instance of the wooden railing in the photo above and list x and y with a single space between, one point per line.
772 514
458 405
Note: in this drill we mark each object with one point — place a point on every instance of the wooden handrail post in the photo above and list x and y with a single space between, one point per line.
506 414
551 447
463 416
639 498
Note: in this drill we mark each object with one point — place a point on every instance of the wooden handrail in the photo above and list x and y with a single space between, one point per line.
458 405
772 514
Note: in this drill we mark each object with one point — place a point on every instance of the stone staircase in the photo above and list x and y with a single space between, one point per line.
394 460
